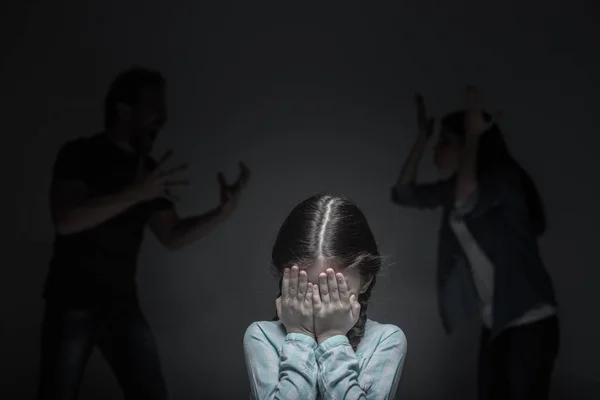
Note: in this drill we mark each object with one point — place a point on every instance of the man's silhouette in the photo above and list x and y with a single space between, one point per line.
105 190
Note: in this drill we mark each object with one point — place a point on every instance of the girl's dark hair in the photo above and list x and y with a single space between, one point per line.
126 89
492 153
335 229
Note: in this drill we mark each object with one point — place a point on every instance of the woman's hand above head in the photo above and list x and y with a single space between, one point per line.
424 123
295 305
475 122
336 311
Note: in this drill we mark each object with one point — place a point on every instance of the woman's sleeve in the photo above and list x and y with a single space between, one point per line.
419 195
289 374
340 376
500 187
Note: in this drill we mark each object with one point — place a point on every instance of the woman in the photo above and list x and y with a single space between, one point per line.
322 345
488 258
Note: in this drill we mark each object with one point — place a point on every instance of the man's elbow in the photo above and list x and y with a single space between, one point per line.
64 225
173 245
173 242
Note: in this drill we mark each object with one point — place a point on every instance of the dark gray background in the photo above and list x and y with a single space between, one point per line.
314 98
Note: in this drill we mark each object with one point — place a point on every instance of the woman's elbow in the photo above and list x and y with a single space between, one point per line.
402 196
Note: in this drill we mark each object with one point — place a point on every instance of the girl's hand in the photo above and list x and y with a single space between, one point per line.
294 306
335 310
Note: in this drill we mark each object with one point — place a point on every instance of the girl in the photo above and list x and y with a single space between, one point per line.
488 258
322 345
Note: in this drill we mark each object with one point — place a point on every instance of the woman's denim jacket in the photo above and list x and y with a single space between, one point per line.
496 214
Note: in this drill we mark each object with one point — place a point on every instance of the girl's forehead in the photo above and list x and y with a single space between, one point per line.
320 265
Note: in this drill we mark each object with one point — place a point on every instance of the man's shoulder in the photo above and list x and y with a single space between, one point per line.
81 145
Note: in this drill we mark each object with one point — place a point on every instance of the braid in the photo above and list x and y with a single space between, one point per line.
357 332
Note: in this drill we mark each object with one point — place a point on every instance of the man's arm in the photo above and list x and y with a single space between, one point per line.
73 211
71 207
175 232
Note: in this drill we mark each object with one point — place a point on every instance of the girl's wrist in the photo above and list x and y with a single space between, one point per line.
326 335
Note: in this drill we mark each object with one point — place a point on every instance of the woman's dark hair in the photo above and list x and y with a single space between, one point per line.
335 229
126 89
493 152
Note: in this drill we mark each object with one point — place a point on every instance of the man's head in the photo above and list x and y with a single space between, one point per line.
135 102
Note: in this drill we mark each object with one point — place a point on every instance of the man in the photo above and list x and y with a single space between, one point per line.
105 190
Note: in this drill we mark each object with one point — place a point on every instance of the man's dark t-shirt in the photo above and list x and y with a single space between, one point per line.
98 266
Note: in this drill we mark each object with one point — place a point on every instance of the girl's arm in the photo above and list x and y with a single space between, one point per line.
340 376
290 374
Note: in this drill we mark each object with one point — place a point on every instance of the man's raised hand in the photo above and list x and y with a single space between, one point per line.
160 181
230 194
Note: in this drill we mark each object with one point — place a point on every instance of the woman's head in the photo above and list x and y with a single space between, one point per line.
330 232
492 148
492 152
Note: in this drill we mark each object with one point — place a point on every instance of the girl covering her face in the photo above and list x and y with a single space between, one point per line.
321 344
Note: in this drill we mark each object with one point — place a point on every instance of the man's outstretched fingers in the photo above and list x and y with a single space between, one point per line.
179 182
176 170
162 161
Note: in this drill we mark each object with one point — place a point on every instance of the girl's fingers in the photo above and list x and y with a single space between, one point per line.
302 284
355 306
343 289
293 287
278 307
316 297
332 286
323 289
308 298
285 284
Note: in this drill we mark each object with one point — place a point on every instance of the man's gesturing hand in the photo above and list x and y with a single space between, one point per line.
159 182
295 305
335 310
230 194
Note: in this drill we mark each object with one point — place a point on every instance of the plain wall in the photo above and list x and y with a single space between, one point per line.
312 98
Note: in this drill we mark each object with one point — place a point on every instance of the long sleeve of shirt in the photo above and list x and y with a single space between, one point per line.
286 373
341 375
